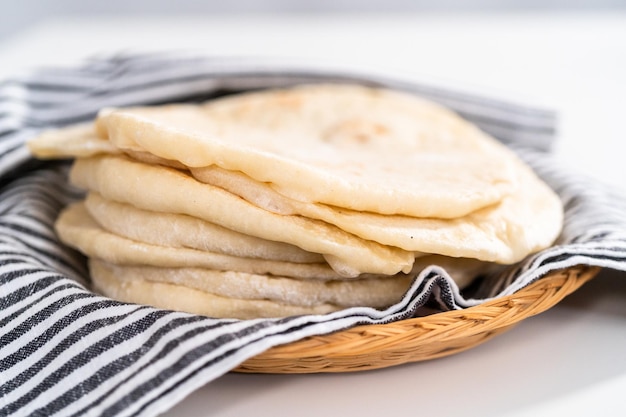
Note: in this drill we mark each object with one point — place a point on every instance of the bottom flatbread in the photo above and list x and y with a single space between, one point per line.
284 291
371 292
189 300
246 296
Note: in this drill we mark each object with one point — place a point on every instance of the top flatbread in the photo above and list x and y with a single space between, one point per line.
350 146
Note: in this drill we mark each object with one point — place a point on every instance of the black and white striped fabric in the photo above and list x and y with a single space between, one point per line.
68 352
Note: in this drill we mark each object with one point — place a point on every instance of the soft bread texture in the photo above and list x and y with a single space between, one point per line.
76 228
349 146
504 232
380 291
244 296
181 298
182 231
374 292
71 142
144 186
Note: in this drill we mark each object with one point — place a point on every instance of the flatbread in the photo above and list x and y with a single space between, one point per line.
242 295
506 232
371 292
305 201
180 298
533 210
77 229
80 141
182 231
73 141
171 191
354 147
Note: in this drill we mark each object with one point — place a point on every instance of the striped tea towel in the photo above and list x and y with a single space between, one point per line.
65 351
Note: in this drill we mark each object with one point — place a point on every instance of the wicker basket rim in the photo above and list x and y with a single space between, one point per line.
422 338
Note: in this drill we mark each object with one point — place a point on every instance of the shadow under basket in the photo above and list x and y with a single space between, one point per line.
411 340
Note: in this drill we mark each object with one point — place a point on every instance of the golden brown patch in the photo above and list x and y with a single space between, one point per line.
356 131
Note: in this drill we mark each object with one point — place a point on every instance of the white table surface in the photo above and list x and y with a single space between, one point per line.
569 360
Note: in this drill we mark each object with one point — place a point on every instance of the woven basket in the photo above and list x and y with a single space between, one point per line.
379 346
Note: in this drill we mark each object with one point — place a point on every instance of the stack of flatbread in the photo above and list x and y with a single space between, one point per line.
293 201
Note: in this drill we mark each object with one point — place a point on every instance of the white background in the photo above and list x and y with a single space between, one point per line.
15 15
